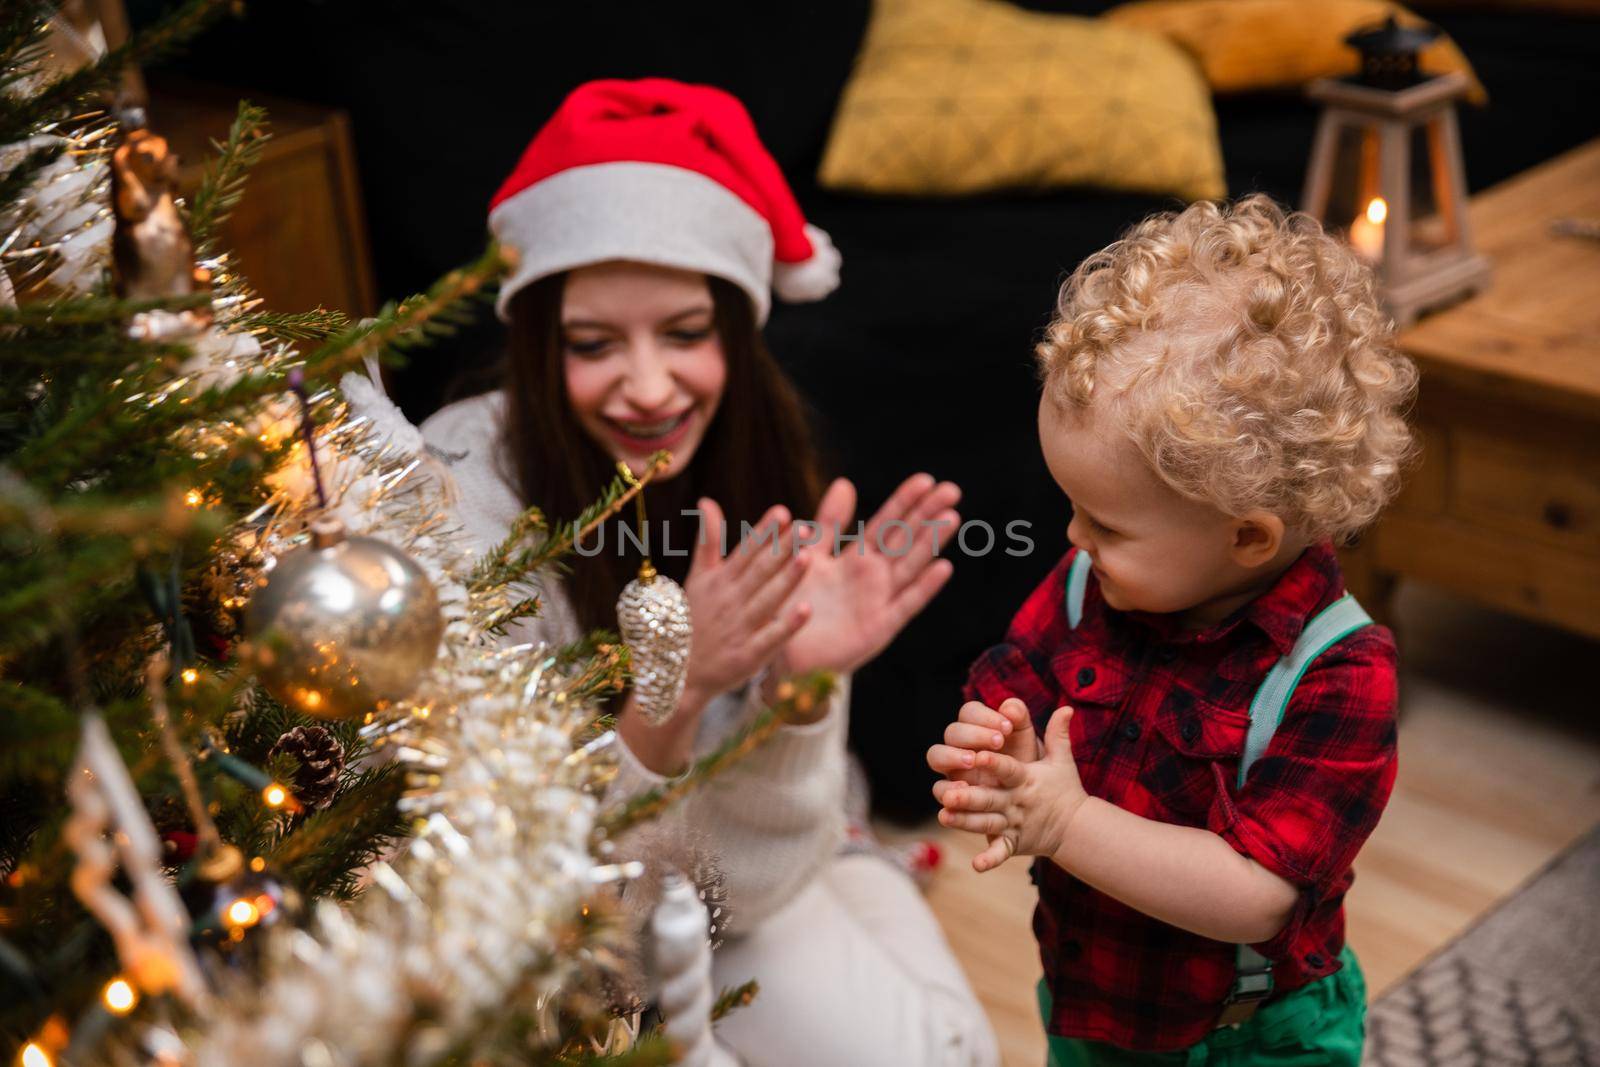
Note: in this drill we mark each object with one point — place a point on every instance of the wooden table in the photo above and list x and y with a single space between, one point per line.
1505 504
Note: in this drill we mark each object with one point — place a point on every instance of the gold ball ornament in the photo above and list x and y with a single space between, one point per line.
343 625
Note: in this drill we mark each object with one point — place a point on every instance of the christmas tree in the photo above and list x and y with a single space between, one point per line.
273 788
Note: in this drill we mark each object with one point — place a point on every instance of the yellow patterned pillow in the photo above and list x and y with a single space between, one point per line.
965 96
1243 45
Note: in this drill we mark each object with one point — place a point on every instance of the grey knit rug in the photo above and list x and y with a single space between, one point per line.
1521 988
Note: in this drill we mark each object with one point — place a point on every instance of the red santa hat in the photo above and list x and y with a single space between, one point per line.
657 171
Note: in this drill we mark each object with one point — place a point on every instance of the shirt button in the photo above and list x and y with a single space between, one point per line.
1085 676
1190 729
1130 730
1071 949
1315 961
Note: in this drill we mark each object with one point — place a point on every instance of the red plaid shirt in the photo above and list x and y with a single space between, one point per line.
1159 728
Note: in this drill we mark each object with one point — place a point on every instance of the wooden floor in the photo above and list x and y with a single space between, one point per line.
1499 770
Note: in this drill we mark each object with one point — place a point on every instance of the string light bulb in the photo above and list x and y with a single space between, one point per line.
34 1055
190 676
242 913
275 795
119 996
194 498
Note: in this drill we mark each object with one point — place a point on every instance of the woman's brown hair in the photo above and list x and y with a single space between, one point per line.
756 452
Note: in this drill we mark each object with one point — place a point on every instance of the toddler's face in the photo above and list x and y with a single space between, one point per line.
1154 549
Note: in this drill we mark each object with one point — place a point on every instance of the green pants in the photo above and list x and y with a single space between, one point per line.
1322 1023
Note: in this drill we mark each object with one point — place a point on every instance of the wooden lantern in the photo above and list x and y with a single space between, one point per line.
1386 171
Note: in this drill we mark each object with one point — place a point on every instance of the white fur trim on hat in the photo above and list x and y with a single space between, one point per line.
643 212
810 279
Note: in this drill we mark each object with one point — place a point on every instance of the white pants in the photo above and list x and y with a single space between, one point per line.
853 971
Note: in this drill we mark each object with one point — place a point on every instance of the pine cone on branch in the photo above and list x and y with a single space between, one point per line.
321 759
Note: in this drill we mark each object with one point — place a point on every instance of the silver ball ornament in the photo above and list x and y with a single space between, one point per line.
343 625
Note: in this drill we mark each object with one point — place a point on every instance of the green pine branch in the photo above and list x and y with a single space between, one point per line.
500 622
290 326
45 592
92 423
797 698
501 565
120 428
223 182
50 373
43 596
162 523
605 667
415 321
93 311
733 998
100 428
325 853
530 545
41 734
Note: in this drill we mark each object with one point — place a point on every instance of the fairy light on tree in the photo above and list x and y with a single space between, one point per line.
119 996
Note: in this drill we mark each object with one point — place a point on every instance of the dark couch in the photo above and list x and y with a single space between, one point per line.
922 360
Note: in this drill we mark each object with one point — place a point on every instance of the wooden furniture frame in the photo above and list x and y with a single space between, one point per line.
299 233
1504 506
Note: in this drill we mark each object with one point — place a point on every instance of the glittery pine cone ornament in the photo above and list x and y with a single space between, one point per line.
321 762
653 616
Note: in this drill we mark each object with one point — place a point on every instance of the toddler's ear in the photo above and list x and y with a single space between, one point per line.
1257 536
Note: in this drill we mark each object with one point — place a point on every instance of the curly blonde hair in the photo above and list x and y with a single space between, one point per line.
1247 356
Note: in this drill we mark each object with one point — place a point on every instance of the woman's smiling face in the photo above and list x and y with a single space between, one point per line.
642 358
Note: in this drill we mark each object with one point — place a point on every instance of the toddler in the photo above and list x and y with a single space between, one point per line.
1190 723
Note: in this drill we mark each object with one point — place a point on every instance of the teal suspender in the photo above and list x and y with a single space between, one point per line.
1252 981
1077 582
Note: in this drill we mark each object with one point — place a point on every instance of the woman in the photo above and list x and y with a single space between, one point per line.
649 224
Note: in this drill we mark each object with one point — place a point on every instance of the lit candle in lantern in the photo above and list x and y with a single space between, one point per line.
1366 232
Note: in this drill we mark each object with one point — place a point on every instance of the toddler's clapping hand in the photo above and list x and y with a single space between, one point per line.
980 728
1023 807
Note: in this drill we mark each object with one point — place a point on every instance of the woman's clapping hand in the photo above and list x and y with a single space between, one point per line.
861 592
741 603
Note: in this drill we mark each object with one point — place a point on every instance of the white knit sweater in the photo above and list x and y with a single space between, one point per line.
775 817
